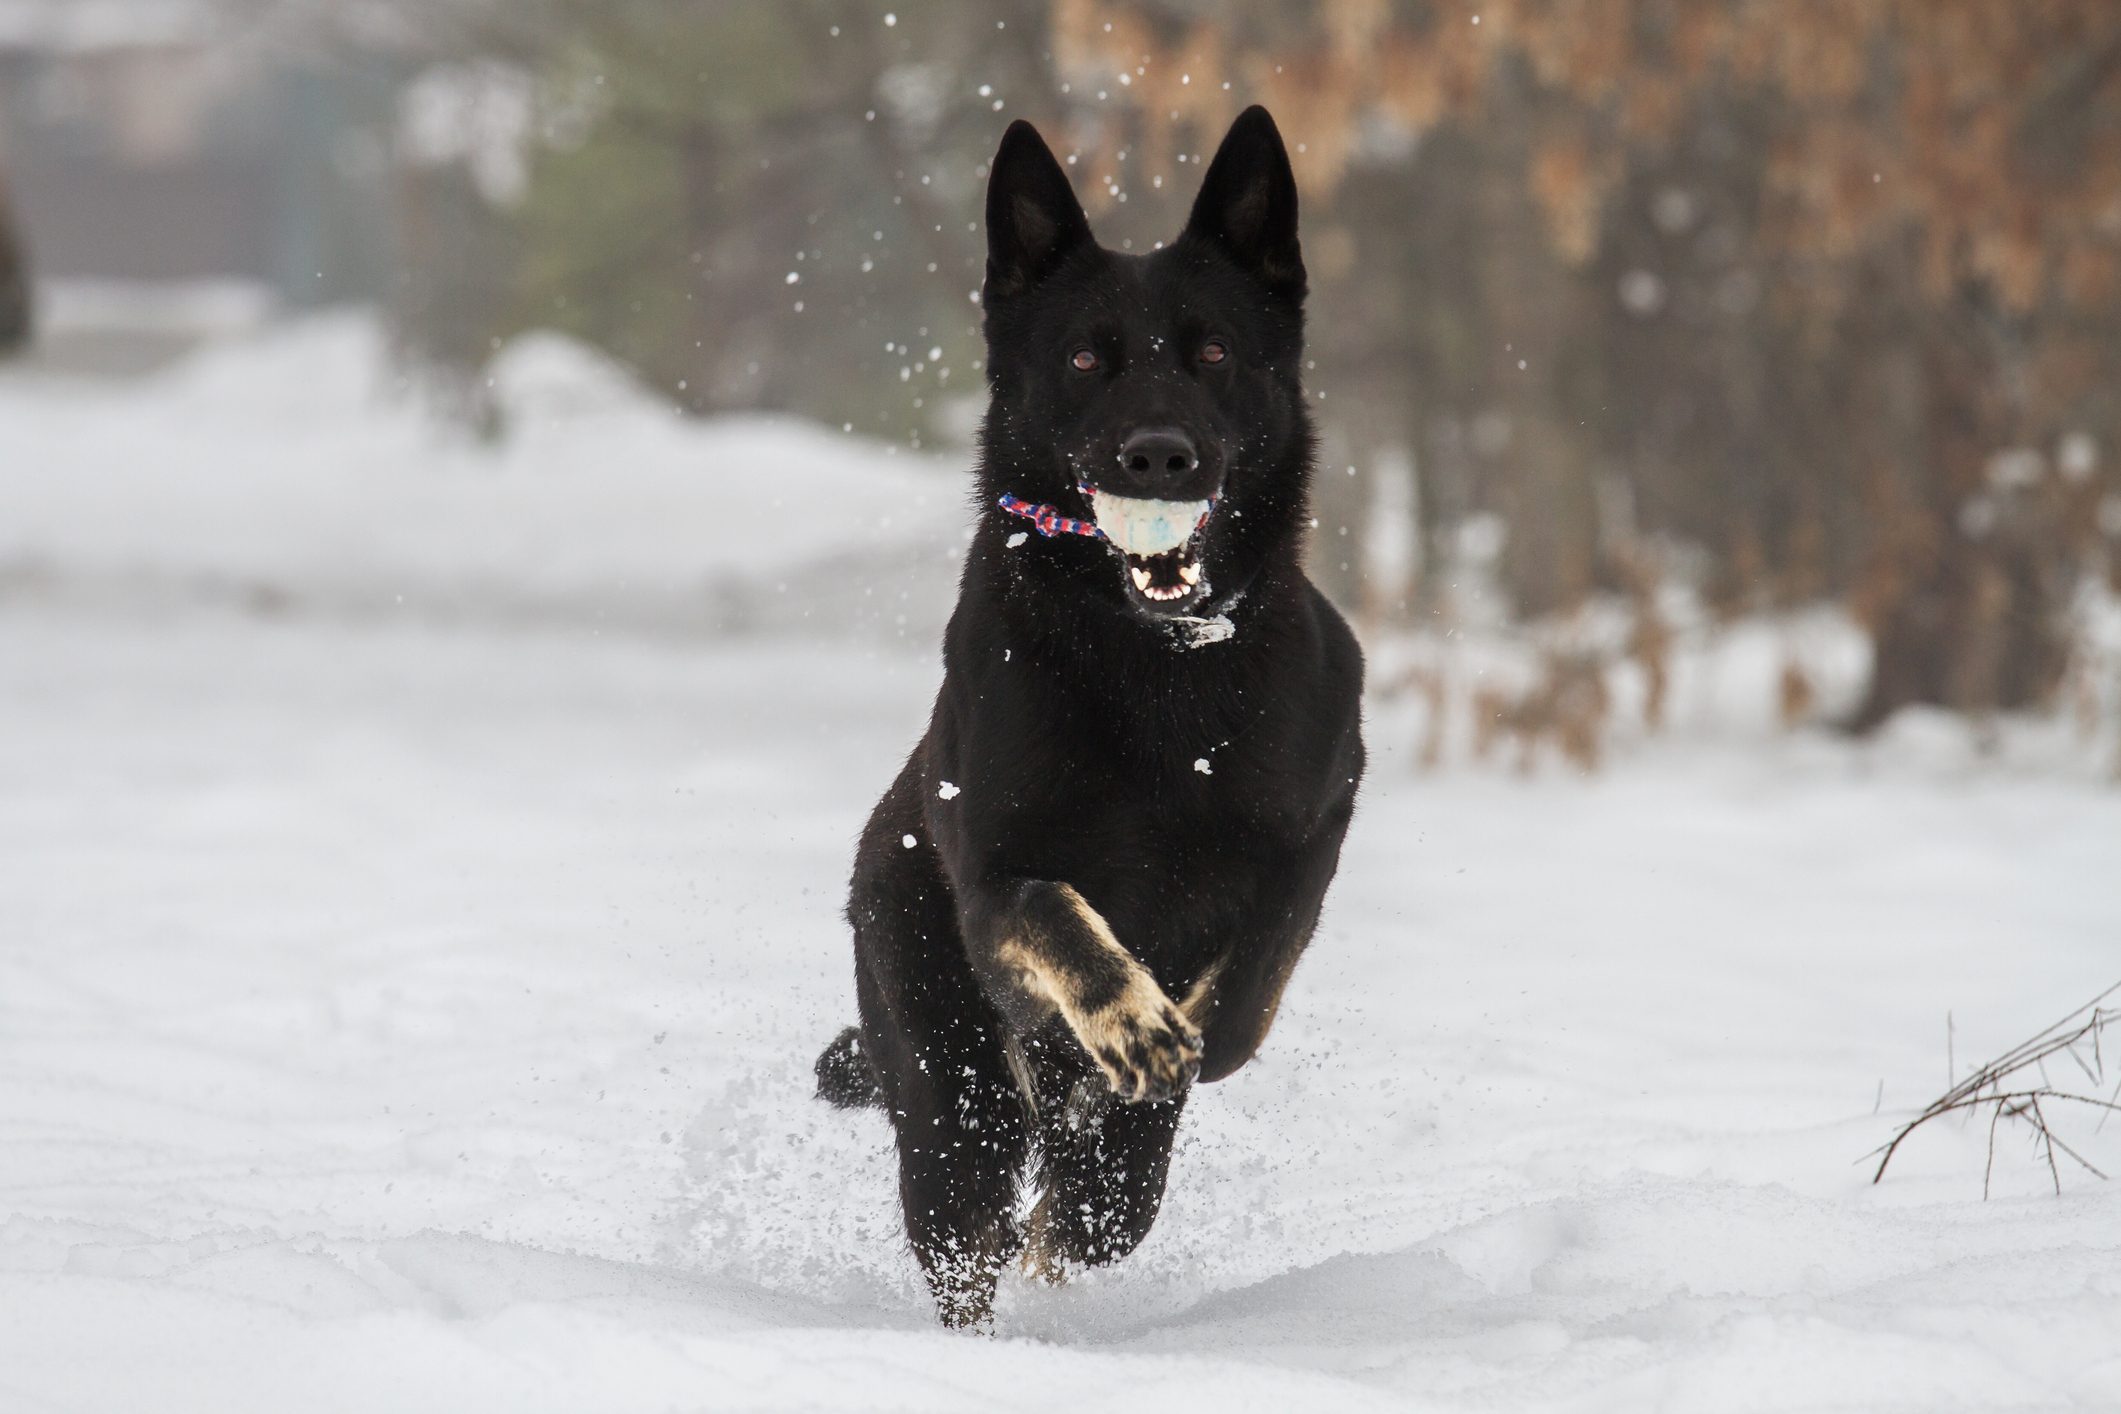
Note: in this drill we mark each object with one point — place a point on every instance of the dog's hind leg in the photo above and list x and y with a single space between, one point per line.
1103 1166
962 1144
932 1043
963 1138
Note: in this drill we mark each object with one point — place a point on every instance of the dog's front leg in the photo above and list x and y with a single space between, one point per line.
1040 948
1235 999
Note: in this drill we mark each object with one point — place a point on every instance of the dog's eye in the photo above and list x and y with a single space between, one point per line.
1214 351
1084 361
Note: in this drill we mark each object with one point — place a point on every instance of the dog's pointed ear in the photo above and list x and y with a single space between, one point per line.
1033 218
1247 203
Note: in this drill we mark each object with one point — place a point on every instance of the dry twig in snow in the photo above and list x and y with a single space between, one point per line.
2007 1085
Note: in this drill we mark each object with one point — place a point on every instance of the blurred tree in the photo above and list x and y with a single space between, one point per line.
1824 290
759 203
1821 300
14 282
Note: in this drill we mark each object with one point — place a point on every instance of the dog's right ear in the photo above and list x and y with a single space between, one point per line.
1247 203
1033 218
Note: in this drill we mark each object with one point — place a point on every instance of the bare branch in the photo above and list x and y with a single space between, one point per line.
1990 1086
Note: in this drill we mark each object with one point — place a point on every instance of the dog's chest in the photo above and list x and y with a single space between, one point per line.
1178 859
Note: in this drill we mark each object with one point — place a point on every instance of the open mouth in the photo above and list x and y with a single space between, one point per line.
1158 543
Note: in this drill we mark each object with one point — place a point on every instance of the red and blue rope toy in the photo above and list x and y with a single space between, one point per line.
1051 522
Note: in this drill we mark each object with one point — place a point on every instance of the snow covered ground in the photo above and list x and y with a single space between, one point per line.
419 874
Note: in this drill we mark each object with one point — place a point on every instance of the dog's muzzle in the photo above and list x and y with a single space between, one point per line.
1158 542
1156 539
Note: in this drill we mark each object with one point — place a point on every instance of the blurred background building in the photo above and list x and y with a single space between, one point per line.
180 166
1631 317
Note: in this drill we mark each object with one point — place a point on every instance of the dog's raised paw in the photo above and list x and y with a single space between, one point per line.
1143 1043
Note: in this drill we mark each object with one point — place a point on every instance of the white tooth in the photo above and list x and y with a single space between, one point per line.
1189 572
1141 577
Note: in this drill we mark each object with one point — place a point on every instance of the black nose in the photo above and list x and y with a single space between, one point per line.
1158 449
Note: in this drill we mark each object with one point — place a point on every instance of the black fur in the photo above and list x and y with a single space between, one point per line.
1062 751
843 1075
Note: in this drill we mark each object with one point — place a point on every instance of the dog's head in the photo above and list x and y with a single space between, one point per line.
1157 397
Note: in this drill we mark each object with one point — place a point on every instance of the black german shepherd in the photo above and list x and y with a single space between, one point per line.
1091 881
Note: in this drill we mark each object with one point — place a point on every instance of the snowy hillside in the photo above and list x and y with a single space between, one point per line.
409 980
294 473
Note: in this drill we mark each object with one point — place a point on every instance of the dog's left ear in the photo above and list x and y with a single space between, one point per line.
1247 203
1033 219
